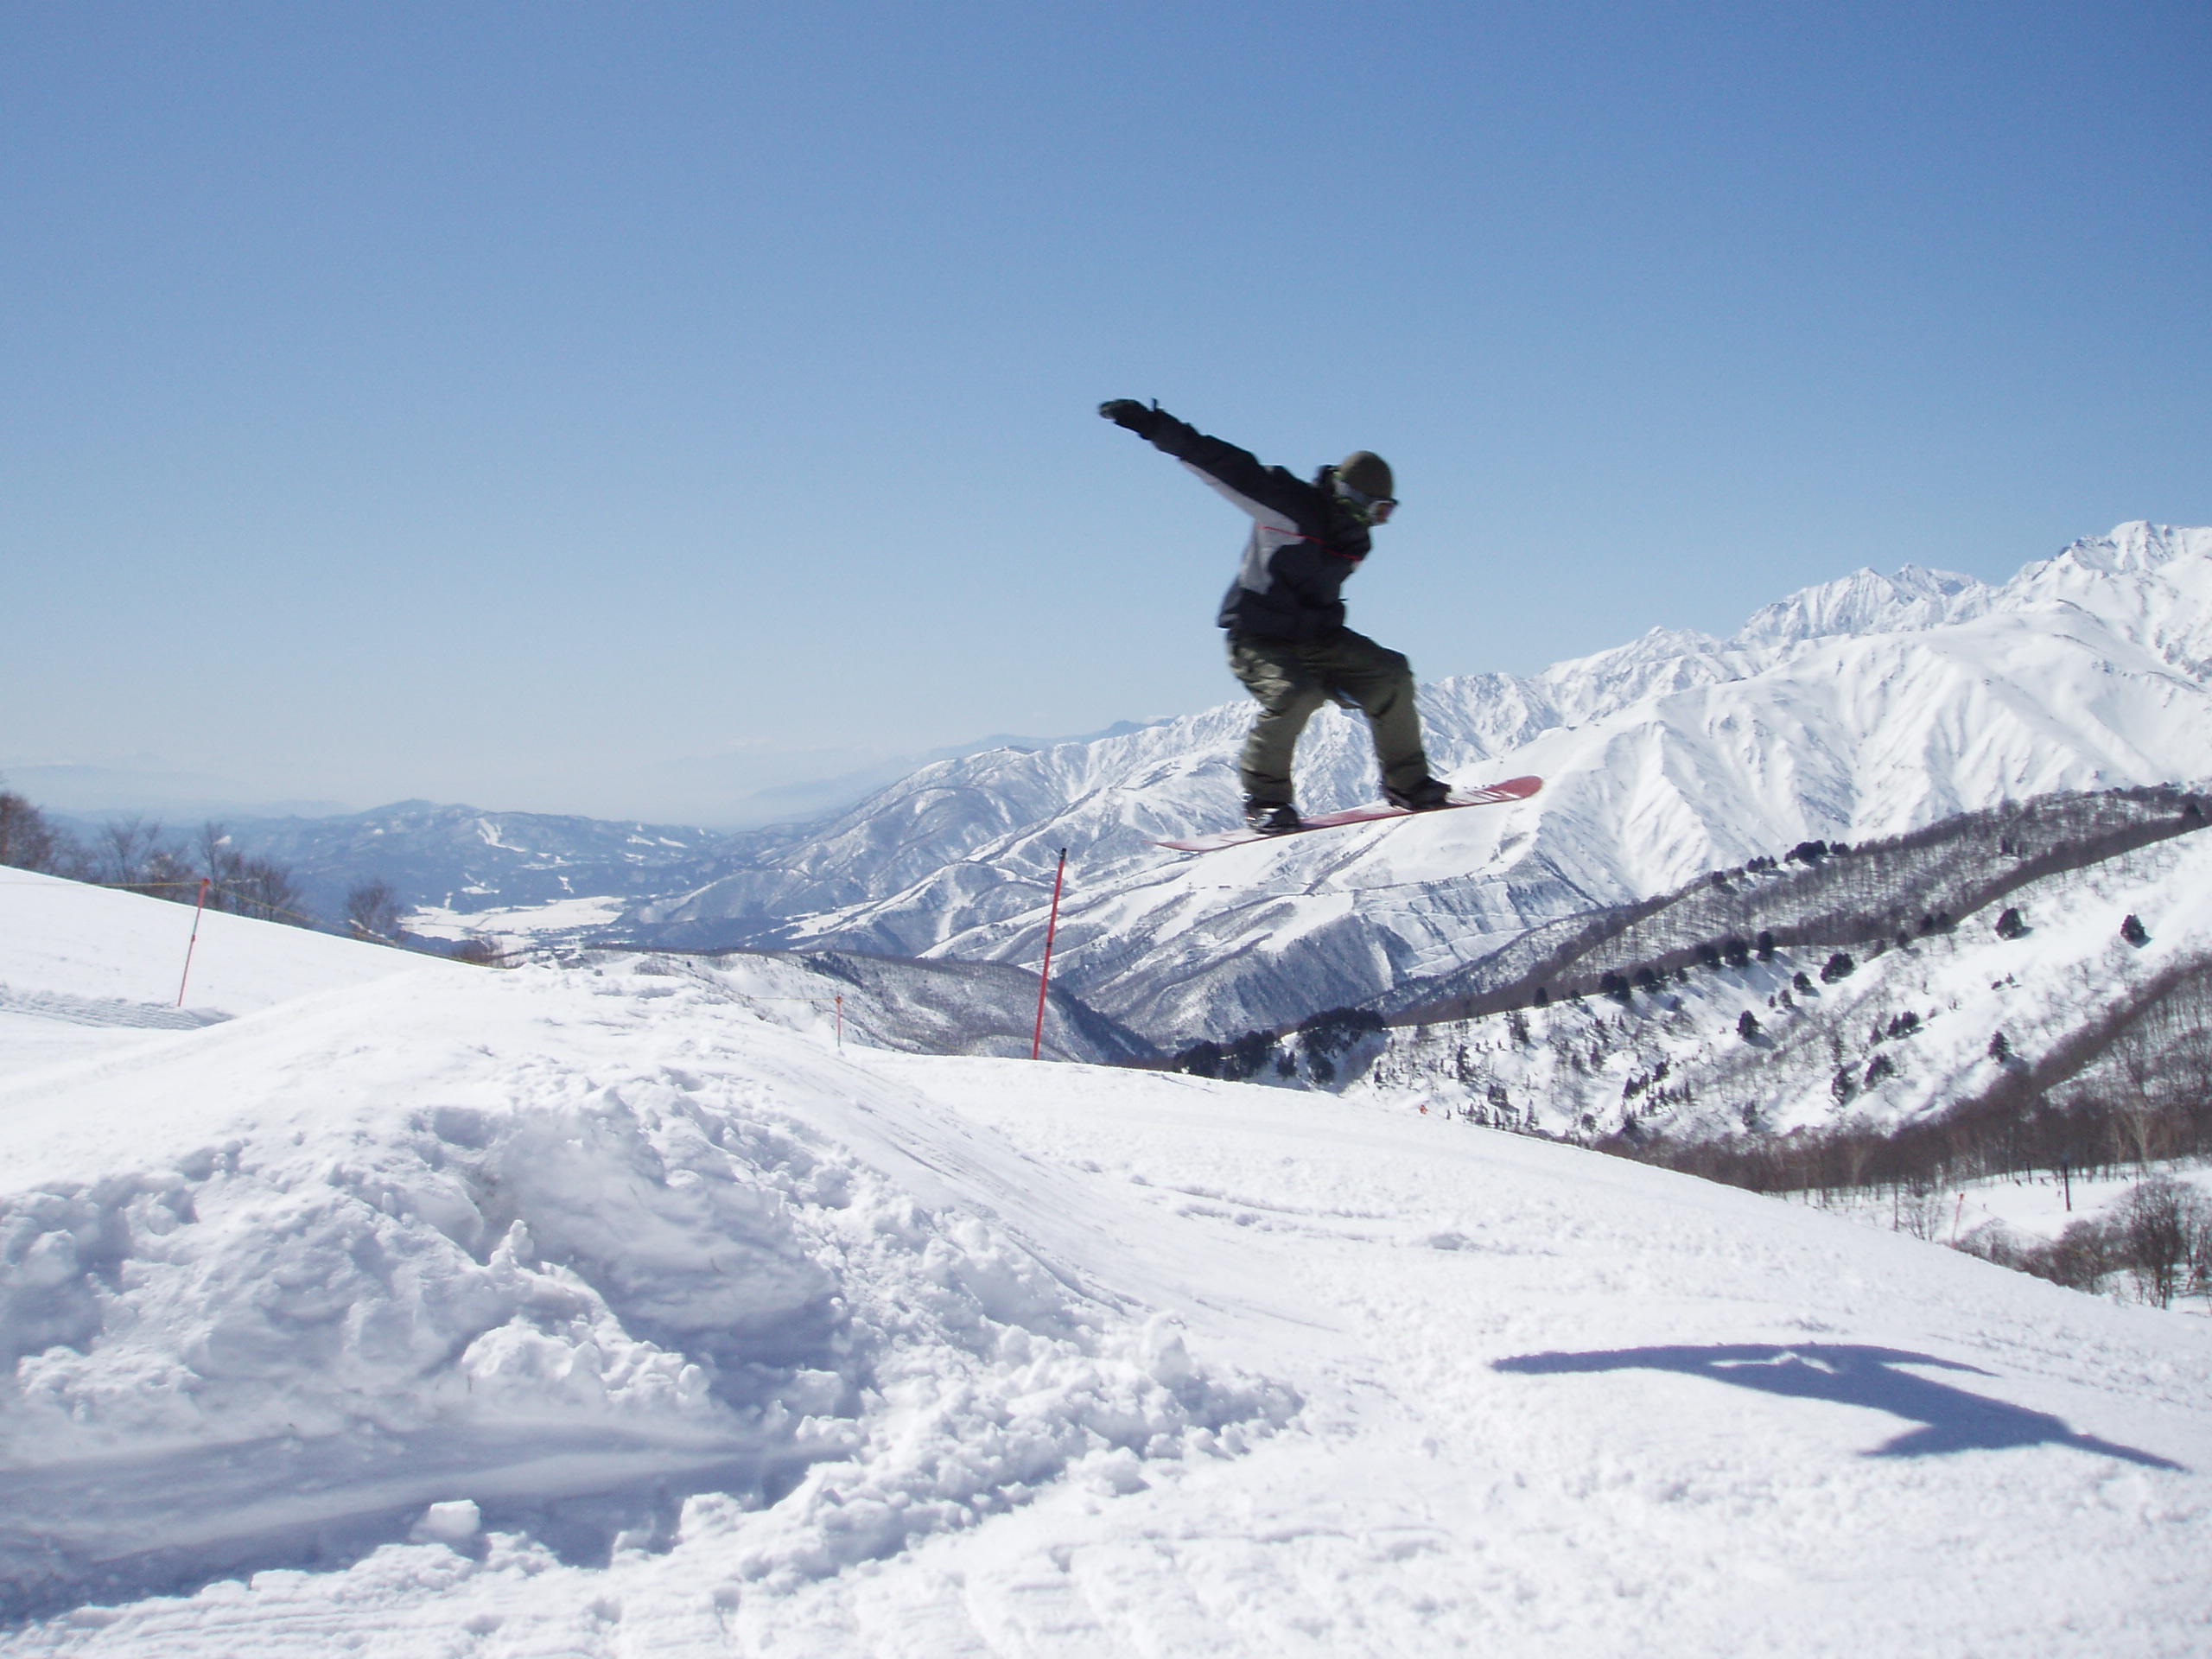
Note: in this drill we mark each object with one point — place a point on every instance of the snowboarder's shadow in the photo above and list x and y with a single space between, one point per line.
1952 1420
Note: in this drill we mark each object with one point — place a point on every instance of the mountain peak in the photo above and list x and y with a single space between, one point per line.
2137 546
1865 602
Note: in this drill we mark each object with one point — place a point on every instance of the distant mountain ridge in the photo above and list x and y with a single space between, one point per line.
463 858
460 859
1866 706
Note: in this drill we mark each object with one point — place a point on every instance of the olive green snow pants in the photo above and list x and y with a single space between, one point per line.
1292 681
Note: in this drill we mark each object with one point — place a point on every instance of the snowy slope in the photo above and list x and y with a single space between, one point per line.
579 1312
86 971
1906 1035
1863 707
919 1007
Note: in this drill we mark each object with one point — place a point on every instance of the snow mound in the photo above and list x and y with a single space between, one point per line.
525 1240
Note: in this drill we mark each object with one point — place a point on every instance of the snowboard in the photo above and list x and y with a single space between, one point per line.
1513 789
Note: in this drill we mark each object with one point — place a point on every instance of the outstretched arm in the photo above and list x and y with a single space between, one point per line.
1237 472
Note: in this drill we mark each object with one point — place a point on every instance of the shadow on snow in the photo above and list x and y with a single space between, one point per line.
111 1531
1952 1419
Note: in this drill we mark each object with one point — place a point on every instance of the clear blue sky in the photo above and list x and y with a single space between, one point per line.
503 402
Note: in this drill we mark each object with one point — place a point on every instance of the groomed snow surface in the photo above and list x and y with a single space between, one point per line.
452 1311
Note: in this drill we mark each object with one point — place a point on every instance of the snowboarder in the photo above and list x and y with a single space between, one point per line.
1288 641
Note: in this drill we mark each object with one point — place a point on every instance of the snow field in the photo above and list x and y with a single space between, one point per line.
1568 1405
517 926
587 1314
2033 1209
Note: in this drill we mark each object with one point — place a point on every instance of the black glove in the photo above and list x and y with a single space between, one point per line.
1129 413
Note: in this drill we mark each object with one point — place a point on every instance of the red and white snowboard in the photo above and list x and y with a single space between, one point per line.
1513 789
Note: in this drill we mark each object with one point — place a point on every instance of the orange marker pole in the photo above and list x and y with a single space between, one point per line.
198 911
1045 973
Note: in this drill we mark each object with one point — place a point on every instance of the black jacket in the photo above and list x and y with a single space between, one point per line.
1304 542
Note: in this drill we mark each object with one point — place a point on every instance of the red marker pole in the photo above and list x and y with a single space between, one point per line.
197 911
1045 973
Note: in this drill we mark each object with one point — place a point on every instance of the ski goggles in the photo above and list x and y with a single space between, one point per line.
1373 509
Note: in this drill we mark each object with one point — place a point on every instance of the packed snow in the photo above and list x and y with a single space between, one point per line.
586 1312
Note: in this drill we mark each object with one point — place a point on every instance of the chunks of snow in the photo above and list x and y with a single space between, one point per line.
453 1522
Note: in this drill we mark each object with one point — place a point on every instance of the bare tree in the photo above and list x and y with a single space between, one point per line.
28 841
372 910
2142 1126
265 890
2163 1227
258 887
218 859
483 951
1919 1209
126 850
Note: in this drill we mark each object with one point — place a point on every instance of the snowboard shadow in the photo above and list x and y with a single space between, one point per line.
1951 1419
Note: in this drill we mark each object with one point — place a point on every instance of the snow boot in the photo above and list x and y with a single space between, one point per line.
1272 818
1424 796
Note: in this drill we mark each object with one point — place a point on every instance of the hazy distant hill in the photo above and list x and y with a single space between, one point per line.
464 859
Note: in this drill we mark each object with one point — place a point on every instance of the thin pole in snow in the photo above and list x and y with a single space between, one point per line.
1045 973
197 911
841 1025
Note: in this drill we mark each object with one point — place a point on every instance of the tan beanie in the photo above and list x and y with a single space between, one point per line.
1366 472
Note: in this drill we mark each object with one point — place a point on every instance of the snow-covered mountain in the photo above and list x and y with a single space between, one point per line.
2041 958
1863 707
2066 1007
458 861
